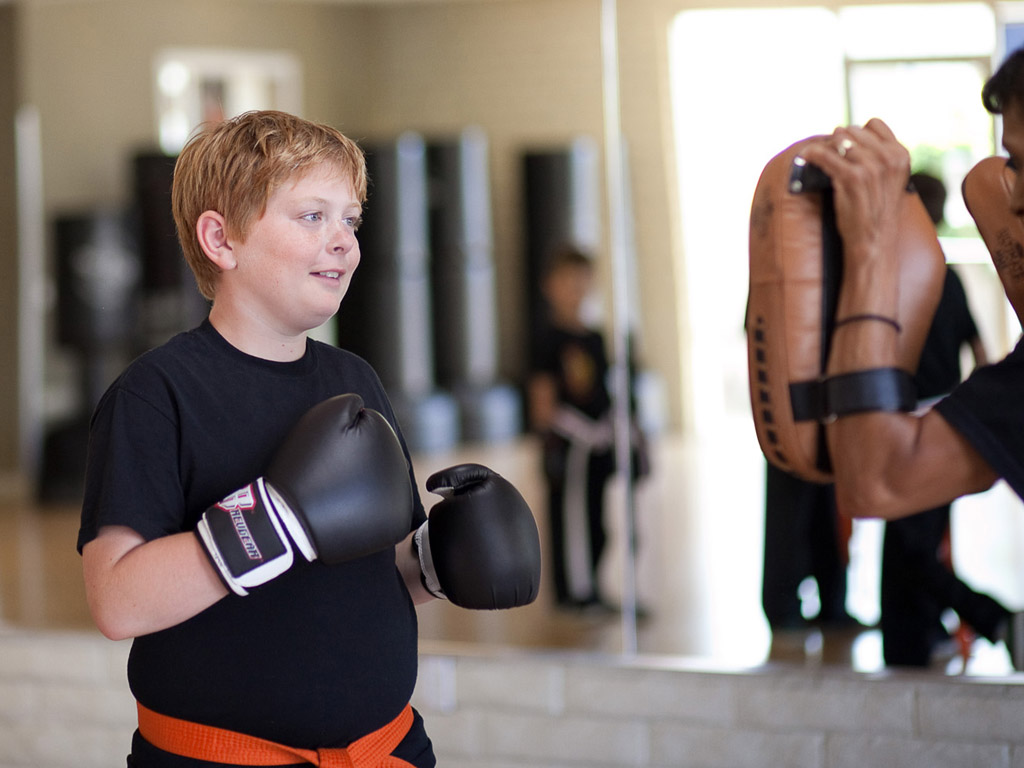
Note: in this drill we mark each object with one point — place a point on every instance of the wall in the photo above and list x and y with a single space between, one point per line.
528 71
87 68
64 702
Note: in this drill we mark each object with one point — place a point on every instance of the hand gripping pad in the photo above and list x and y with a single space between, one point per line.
795 274
987 190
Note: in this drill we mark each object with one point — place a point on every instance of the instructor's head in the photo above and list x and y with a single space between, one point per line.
1005 89
233 167
1003 94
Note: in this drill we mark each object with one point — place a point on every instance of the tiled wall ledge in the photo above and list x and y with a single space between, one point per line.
64 702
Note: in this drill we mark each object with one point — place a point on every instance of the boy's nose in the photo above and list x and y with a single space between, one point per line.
343 238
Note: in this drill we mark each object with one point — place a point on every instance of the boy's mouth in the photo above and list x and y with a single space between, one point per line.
332 274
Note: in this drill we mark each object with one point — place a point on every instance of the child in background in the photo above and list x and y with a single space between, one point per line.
571 408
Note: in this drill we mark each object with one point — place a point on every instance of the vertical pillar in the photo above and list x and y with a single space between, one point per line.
387 315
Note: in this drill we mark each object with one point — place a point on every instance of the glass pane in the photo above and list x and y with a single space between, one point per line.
918 31
745 84
934 108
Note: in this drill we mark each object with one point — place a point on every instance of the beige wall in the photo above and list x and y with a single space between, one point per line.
528 71
87 67
89 70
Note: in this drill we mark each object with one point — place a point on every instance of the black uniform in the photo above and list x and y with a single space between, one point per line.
576 469
801 539
916 586
988 410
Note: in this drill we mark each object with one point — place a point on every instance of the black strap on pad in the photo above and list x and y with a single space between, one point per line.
875 389
806 178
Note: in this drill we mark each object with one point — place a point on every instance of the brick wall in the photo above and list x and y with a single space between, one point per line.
64 702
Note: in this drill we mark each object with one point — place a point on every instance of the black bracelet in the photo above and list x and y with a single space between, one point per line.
879 318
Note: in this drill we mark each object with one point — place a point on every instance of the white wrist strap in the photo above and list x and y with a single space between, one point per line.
422 541
290 522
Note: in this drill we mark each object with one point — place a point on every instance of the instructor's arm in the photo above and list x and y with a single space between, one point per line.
886 464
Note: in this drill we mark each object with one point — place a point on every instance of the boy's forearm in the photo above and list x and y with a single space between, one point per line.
135 587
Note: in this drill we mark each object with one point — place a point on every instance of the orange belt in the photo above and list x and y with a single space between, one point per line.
218 745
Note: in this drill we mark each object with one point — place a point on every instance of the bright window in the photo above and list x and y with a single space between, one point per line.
195 85
746 84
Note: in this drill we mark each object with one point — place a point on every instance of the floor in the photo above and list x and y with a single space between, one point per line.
699 518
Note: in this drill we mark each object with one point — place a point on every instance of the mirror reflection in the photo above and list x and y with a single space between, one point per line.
490 115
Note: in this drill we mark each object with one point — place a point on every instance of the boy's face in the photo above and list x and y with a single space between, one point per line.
297 260
567 287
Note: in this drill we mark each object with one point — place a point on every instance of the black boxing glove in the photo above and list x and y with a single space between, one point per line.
337 488
480 547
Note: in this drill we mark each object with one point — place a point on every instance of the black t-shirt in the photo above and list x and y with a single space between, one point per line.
952 327
315 658
988 410
579 364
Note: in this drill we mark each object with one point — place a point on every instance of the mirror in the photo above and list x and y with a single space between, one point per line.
528 74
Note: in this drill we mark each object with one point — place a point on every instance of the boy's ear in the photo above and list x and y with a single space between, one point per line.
211 231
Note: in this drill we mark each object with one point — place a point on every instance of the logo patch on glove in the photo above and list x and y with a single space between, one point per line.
236 505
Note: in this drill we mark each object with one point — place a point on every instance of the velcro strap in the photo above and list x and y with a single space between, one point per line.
875 389
807 399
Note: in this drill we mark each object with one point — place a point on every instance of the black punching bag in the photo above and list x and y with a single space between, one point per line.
98 296
463 283
386 315
97 319
170 300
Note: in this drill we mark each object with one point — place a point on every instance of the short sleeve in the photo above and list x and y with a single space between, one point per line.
132 474
988 410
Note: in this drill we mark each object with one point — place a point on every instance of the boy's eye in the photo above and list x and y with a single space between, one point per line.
315 216
354 222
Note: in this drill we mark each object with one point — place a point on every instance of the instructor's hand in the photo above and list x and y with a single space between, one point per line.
870 170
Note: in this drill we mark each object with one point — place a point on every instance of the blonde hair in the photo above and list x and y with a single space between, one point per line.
233 167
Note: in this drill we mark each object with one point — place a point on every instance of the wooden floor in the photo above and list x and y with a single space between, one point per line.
698 569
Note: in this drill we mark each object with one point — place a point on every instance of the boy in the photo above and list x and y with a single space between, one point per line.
570 406
267 566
